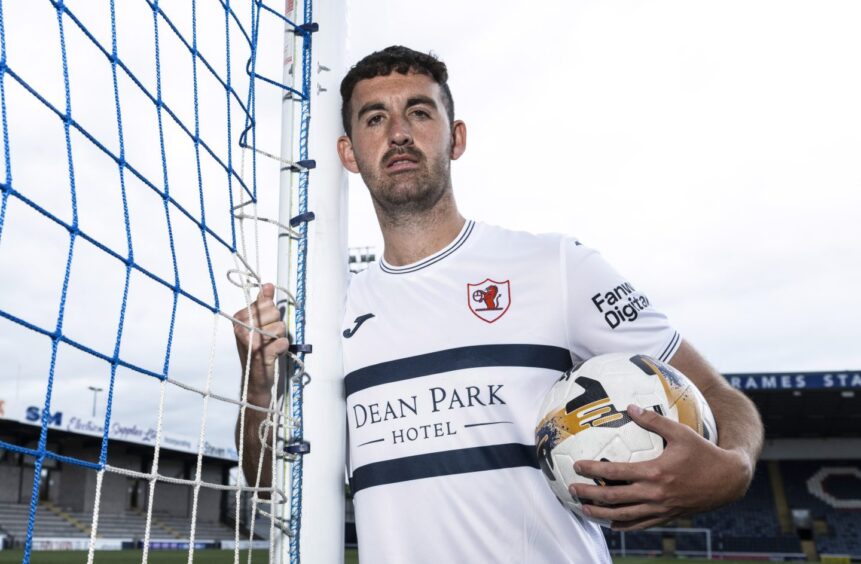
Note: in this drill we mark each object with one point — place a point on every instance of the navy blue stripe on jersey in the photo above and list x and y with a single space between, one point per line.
530 356
446 463
671 347
433 258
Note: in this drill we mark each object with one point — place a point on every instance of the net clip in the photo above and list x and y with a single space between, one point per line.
302 218
307 28
301 348
297 448
301 166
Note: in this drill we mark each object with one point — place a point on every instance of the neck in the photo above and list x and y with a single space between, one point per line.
411 239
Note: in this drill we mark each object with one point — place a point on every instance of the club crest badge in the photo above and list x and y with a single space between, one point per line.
489 300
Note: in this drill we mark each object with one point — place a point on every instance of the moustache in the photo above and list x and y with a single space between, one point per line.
411 151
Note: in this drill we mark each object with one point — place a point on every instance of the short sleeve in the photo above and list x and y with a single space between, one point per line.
606 313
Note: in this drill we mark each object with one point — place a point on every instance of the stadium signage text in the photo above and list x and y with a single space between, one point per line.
796 381
124 431
34 414
75 543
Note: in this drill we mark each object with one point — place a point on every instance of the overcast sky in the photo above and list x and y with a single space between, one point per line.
710 150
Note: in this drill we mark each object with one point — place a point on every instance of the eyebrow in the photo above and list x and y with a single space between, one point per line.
418 100
411 101
370 107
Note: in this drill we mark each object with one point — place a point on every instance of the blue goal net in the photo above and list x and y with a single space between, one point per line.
141 152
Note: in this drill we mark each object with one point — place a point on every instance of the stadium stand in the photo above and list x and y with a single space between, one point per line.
55 522
752 526
789 512
641 543
840 529
13 519
65 508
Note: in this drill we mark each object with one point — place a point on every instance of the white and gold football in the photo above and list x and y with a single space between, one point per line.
584 417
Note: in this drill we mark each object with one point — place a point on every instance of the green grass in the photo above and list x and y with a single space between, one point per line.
632 560
260 556
131 556
134 556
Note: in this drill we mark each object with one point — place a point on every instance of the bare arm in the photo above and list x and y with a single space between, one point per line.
739 425
260 365
691 475
251 444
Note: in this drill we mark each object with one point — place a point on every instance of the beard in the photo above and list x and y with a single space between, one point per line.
407 193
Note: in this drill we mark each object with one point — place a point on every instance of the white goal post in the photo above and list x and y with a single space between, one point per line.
322 510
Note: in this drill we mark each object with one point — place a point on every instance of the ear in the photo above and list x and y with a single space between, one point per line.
458 139
345 153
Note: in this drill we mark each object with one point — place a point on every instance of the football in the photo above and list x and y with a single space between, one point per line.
584 417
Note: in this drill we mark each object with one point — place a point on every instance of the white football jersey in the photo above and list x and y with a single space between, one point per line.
447 361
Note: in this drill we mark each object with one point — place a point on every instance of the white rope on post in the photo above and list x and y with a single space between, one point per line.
284 278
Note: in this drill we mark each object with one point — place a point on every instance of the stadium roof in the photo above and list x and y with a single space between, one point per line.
27 436
805 404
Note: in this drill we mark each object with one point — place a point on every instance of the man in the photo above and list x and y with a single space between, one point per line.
453 338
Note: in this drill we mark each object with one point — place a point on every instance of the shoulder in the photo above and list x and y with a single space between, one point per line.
357 281
515 242
563 251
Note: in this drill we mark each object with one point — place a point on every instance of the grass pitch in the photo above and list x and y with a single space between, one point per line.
134 557
631 560
258 556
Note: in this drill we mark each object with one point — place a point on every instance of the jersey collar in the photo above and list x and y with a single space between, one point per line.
458 241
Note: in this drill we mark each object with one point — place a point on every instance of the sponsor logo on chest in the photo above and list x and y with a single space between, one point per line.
433 409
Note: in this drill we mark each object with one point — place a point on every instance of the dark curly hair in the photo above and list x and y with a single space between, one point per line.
399 59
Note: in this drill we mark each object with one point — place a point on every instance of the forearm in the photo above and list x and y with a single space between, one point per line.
260 340
738 422
248 439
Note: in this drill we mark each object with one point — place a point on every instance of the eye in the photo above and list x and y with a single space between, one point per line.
374 120
423 114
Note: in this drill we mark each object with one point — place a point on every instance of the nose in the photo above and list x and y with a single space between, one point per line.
400 134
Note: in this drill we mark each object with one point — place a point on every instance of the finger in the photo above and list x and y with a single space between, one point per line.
276 348
277 328
613 471
263 337
259 313
267 292
266 316
280 346
635 512
267 353
609 495
653 421
250 330
262 310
